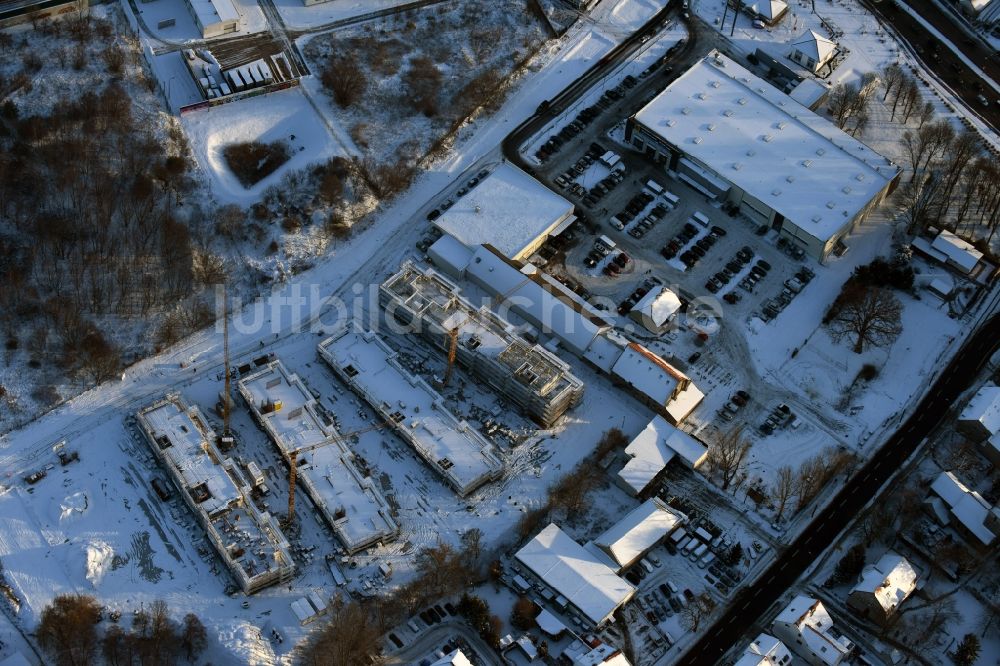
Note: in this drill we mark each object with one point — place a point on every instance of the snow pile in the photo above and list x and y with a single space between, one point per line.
245 643
73 506
99 556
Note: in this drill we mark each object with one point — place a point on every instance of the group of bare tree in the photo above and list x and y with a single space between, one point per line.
88 198
727 456
953 182
352 633
68 633
849 104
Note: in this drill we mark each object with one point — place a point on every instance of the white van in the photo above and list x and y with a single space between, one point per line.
607 242
700 218
655 187
646 565
671 198
616 223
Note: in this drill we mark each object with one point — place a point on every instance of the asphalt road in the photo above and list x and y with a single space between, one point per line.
951 69
752 602
568 96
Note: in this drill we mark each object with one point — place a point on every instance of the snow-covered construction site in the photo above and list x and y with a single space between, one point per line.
482 335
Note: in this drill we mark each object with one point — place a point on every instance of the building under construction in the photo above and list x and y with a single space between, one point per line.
414 410
484 344
249 541
306 437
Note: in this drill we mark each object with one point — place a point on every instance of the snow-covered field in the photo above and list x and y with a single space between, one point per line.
281 116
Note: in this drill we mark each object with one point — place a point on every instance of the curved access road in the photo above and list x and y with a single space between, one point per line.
571 93
753 601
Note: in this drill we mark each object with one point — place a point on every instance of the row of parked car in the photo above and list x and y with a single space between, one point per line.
737 402
633 208
462 191
603 246
568 131
791 249
773 306
779 417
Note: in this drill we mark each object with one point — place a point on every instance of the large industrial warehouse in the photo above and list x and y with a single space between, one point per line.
735 138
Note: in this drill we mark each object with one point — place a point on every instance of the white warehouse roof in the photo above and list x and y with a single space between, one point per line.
777 151
569 569
508 210
641 529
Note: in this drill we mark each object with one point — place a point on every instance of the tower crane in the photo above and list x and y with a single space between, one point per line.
227 440
452 332
294 455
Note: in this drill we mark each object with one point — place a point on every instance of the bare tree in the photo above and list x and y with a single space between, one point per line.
926 113
927 144
423 83
871 315
892 75
67 630
194 638
728 455
962 150
349 637
911 96
345 78
843 102
695 612
784 489
472 548
917 201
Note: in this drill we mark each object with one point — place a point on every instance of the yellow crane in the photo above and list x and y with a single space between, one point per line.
294 455
452 332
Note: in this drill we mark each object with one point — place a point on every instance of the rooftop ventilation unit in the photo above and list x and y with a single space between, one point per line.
697 139
790 178
714 84
751 152
820 152
776 192
817 218
686 111
728 113
860 177
846 189
701 95
780 125
830 205
766 138
710 127
737 166
807 163
760 90
742 101
670 123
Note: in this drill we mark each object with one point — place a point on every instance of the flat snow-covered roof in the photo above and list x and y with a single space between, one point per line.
569 569
640 529
508 210
779 152
654 447
350 502
210 12
530 294
962 253
452 447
